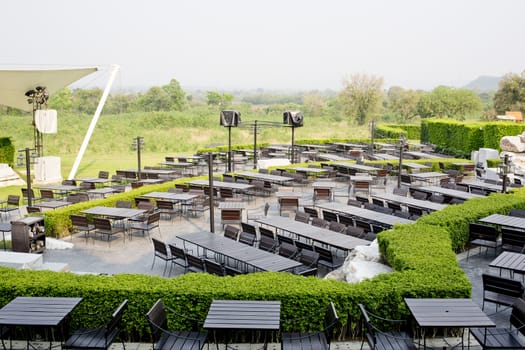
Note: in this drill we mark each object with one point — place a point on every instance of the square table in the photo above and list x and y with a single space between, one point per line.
38 312
251 315
447 313
52 204
512 261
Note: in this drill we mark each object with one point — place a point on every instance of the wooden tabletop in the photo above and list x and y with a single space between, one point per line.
369 215
504 220
243 314
512 261
52 204
124 213
37 311
448 313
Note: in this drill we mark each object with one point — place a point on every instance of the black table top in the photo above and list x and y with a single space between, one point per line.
366 214
123 213
317 234
243 314
243 253
37 311
448 313
509 261
504 220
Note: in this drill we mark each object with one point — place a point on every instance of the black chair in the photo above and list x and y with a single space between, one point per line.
512 239
327 259
394 206
214 267
288 250
151 223
329 216
357 232
178 257
268 244
195 263
320 223
337 227
246 227
481 235
98 338
247 238
309 260
303 246
311 211
25 195
500 290
160 251
81 224
164 339
517 212
346 220
285 239
105 227
231 232
167 208
263 231
302 217
377 339
318 340
12 204
504 338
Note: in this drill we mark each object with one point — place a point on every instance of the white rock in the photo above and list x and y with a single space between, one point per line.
512 144
53 243
360 270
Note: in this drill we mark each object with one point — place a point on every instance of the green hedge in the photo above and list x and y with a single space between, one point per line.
421 254
460 139
7 151
394 131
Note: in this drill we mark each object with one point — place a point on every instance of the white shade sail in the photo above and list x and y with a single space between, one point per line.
15 83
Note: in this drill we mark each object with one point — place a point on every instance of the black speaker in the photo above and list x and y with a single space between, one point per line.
293 118
230 118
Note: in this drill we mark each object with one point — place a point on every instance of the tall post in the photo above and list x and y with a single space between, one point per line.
28 174
139 141
293 144
255 145
229 149
373 131
210 184
505 172
401 147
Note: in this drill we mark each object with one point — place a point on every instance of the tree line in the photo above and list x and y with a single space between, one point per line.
361 98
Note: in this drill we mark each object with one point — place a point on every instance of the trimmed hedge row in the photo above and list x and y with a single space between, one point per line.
421 255
394 131
460 139
7 151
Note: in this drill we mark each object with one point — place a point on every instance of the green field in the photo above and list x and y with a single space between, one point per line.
173 133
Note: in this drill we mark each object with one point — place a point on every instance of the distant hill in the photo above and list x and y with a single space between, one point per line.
484 83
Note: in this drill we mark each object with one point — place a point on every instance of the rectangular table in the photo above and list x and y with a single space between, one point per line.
447 192
359 168
248 256
221 184
409 201
102 192
265 177
236 315
488 187
52 204
119 213
432 177
504 220
316 234
369 215
48 313
447 313
512 261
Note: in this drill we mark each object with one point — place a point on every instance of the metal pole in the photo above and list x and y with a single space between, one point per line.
293 147
28 174
505 171
255 145
401 146
138 157
229 149
210 184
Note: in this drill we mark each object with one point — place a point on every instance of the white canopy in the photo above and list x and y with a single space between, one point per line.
15 83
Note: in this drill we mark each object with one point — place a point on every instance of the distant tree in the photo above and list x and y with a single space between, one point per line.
401 103
449 102
361 96
121 103
313 104
511 94
155 99
85 100
215 98
62 100
176 95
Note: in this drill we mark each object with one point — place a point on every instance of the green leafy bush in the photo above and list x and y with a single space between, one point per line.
7 151
394 131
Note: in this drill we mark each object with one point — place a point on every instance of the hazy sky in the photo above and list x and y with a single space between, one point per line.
270 44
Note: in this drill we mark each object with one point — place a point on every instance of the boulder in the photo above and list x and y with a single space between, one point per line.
512 144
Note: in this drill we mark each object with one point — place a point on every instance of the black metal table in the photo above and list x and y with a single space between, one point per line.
247 257
512 261
447 313
504 220
250 315
33 313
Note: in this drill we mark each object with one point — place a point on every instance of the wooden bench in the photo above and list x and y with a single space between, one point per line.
318 340
500 290
483 236
98 338
381 340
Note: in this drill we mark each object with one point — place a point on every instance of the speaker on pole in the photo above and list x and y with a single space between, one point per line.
293 118
230 118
